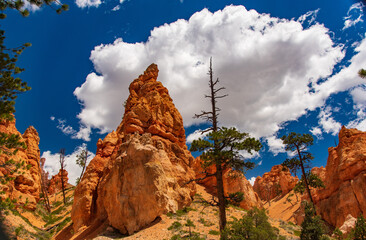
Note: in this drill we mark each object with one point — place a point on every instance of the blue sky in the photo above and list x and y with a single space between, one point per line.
286 65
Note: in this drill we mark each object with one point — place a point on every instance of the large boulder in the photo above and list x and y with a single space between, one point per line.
344 179
233 182
26 186
277 182
141 170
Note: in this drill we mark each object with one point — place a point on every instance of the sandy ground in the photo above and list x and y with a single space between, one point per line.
205 219
202 217
283 209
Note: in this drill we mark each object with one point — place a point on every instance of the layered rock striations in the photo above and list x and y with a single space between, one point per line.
141 170
55 183
26 186
277 182
233 182
344 179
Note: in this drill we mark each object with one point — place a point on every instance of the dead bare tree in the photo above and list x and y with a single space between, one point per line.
63 166
44 185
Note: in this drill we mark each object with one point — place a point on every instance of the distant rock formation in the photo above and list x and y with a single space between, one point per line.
140 170
277 182
55 184
348 225
344 179
26 186
233 182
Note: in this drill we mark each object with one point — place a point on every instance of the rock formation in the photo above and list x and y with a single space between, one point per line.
277 182
348 225
320 172
55 184
344 179
140 171
233 182
26 186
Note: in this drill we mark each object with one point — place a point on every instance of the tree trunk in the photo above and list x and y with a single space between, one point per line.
305 179
63 185
221 197
45 197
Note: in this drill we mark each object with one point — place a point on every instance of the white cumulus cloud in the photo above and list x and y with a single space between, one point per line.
316 131
275 145
196 135
83 133
52 164
327 122
252 180
88 3
270 68
354 15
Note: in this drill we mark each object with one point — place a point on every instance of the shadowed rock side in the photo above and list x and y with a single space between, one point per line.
233 182
84 206
26 186
139 172
344 179
277 182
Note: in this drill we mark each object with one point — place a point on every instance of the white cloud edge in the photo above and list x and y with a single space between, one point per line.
52 164
252 180
117 42
88 3
348 21
83 133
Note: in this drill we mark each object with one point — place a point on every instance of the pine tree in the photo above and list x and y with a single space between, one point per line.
362 73
299 143
252 226
221 147
312 226
81 160
359 233
19 6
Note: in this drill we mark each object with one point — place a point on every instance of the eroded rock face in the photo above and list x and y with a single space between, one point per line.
85 195
149 109
233 182
27 184
277 182
344 179
55 183
141 170
142 184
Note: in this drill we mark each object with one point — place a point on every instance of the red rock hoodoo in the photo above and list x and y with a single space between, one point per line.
26 186
55 184
277 182
140 170
344 179
233 182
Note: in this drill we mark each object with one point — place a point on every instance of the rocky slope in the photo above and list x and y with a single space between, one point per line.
140 171
233 182
344 179
26 186
277 182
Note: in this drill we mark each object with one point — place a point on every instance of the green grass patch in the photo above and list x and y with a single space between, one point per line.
205 223
175 226
180 212
214 232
